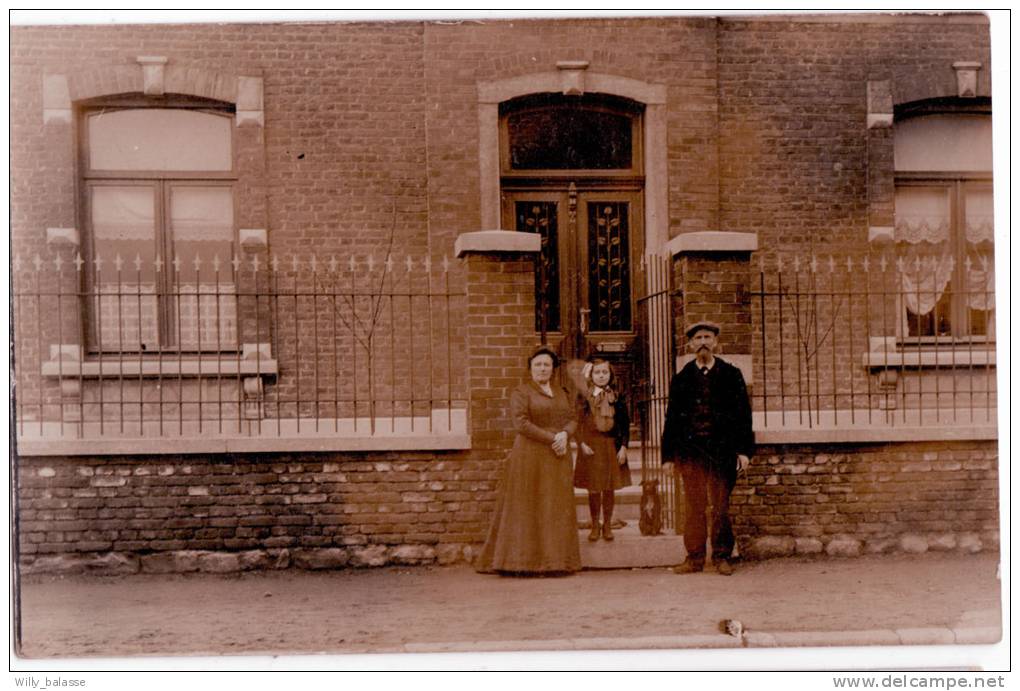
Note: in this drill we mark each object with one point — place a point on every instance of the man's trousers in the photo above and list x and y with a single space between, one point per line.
704 485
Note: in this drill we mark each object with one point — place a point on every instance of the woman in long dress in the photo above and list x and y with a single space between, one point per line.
534 528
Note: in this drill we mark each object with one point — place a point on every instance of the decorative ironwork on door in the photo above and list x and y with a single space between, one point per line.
609 289
541 217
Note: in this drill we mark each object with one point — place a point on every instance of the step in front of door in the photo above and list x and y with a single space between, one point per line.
632 550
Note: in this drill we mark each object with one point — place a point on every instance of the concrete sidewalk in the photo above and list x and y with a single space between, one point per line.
929 599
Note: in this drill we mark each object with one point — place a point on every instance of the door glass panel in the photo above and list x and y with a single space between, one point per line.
202 227
123 229
541 217
609 268
562 137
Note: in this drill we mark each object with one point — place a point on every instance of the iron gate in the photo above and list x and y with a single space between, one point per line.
658 358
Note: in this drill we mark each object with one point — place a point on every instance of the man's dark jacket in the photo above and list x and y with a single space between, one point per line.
731 417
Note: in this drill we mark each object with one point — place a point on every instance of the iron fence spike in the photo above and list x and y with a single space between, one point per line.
197 262
371 262
409 263
446 264
118 263
352 263
332 263
98 263
137 261
176 263
58 262
427 263
294 263
274 262
389 264
216 263
235 262
255 263
78 261
315 264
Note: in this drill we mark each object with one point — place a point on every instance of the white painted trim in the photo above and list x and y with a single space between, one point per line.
944 356
712 241
445 430
881 234
876 435
126 366
136 447
252 238
153 74
62 236
879 120
56 100
496 92
495 241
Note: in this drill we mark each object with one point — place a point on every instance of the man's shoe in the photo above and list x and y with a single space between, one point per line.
593 536
689 567
724 568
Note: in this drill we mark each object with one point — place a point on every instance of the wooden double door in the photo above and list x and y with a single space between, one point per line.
589 274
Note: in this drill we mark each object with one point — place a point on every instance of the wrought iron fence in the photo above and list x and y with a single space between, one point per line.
260 346
878 338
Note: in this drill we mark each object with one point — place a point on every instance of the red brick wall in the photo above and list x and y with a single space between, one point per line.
793 143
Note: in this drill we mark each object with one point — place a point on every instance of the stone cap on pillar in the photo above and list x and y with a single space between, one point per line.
712 241
496 242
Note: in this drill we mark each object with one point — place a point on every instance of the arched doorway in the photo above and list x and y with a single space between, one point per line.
572 170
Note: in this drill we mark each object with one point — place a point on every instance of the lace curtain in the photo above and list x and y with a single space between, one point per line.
925 262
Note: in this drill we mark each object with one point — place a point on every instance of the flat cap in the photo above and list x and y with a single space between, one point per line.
702 325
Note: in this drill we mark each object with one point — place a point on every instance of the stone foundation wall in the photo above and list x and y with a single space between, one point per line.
847 500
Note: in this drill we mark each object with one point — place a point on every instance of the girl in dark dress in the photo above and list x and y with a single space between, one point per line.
603 433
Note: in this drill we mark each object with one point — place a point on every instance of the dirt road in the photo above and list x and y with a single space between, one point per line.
382 610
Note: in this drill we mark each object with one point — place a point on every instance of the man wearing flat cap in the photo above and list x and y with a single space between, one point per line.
707 434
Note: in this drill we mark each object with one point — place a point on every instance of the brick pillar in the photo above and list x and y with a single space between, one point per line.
713 272
500 327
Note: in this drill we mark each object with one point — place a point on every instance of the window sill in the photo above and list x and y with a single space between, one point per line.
929 356
169 366
67 362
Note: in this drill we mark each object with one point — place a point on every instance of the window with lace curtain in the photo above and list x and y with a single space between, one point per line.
157 182
945 225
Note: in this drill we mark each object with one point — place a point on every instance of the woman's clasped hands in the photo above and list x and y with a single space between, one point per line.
559 444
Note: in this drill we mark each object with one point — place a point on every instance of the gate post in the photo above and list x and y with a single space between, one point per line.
500 324
713 271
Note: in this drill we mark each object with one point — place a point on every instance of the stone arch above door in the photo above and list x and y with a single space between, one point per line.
572 78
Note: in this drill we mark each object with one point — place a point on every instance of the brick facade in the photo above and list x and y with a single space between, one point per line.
368 146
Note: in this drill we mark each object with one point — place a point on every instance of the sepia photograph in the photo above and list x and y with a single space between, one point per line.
508 340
